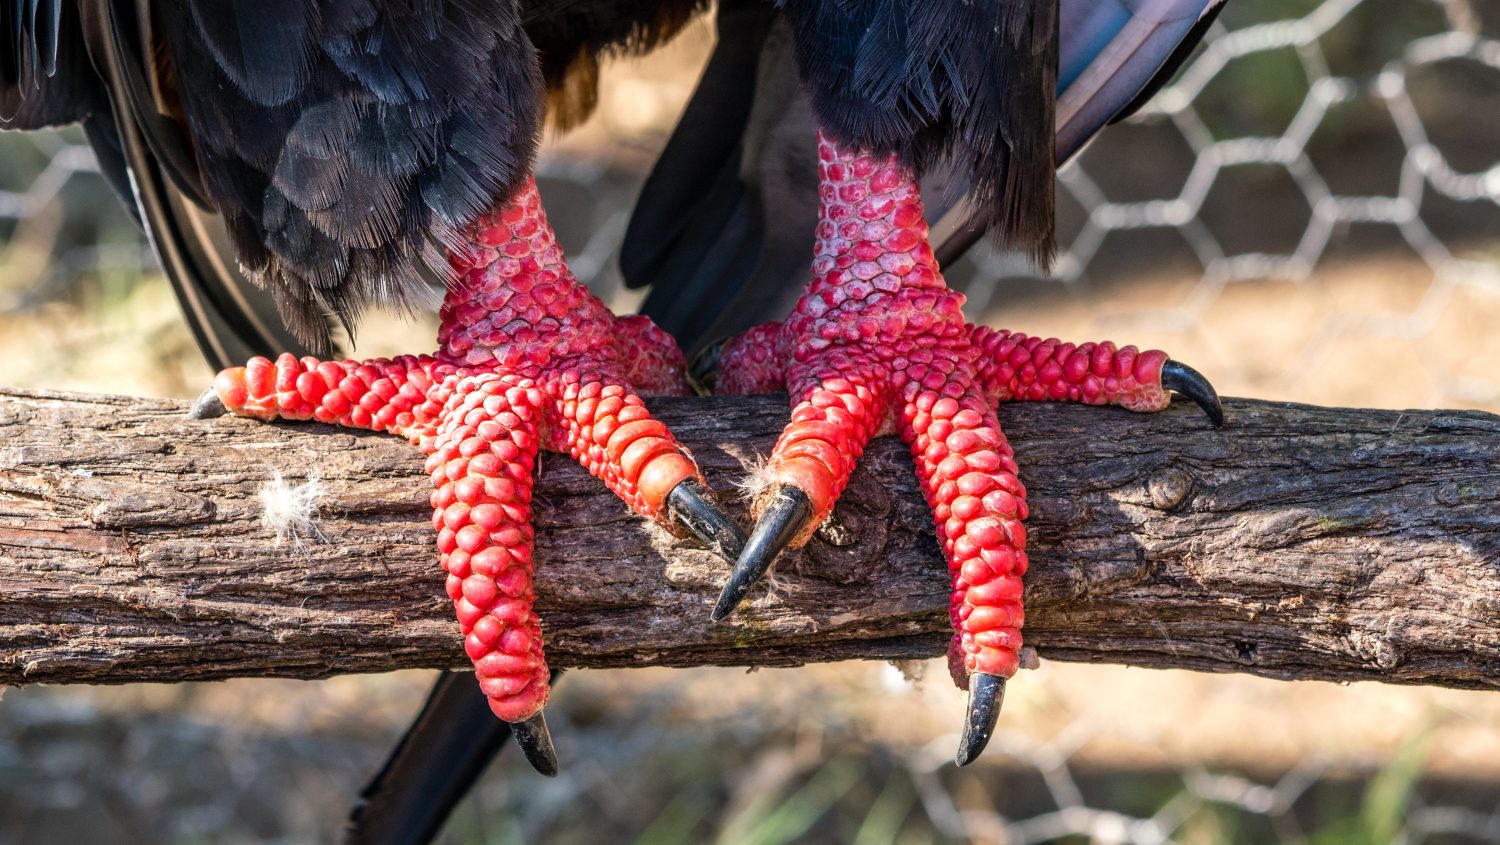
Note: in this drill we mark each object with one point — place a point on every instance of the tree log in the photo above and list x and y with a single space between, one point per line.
1297 542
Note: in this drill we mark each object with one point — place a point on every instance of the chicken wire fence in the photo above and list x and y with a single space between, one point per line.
1312 208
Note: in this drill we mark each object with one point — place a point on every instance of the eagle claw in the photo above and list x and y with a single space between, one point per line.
691 506
535 741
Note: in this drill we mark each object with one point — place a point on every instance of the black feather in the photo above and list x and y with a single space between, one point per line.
45 75
707 142
265 48
573 35
1174 61
344 136
724 228
314 164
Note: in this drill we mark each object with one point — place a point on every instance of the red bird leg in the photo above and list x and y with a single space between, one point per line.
527 360
878 344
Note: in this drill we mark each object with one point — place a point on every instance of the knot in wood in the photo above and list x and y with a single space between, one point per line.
836 532
1169 487
1376 650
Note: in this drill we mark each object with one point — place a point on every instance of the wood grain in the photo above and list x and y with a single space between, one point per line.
1298 542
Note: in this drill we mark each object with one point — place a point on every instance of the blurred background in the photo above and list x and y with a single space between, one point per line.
1311 212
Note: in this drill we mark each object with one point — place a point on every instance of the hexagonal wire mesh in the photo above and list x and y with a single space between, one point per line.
1340 158
1293 149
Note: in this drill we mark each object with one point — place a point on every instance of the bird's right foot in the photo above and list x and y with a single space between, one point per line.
878 344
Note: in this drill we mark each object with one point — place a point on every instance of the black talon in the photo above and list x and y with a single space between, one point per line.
1183 379
207 406
691 505
986 694
779 523
535 741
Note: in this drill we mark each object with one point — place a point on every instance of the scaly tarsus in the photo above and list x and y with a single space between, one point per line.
535 741
1180 378
986 694
780 522
691 505
877 344
528 360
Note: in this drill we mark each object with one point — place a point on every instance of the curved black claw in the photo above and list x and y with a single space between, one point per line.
535 741
207 406
1179 377
692 506
781 521
986 694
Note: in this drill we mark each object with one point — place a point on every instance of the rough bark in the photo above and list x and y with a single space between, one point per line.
1298 542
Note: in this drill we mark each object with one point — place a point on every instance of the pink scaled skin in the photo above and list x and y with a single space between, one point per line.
528 359
878 344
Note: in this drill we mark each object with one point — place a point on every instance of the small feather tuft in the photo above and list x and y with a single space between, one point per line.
291 510
756 478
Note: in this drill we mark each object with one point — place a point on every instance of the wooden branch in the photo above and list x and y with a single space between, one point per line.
1298 542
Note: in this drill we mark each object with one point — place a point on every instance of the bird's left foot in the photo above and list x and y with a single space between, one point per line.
529 360
878 344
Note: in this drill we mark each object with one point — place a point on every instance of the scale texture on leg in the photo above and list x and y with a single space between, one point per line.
528 360
878 344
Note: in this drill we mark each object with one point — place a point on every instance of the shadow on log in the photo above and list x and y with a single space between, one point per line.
1298 542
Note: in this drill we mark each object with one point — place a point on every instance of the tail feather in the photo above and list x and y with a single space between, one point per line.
723 231
45 75
437 761
1112 56
1116 54
707 143
231 318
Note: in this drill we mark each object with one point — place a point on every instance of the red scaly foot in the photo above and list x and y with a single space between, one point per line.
528 359
877 345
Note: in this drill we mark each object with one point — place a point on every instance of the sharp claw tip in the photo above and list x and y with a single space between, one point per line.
733 593
779 524
1180 378
207 406
986 695
535 742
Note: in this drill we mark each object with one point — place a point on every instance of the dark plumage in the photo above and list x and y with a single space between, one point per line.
344 142
572 37
36 38
722 232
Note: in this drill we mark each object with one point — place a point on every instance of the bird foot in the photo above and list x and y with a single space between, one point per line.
878 344
528 361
